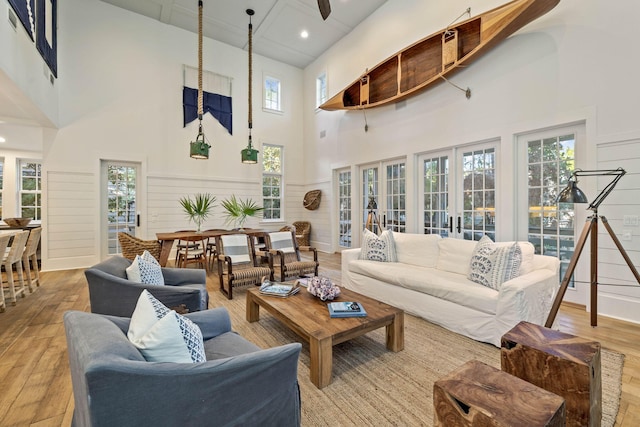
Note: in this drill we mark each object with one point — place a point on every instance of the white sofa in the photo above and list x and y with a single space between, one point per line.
429 280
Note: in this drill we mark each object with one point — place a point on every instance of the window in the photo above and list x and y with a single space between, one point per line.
370 217
272 94
321 89
435 171
121 203
30 190
344 213
550 162
479 193
272 182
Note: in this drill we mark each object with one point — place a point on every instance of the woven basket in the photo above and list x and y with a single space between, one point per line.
132 246
312 199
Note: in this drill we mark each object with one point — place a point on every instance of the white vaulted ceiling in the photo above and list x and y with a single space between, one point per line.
277 24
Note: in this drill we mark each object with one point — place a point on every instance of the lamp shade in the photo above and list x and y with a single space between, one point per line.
249 155
199 148
572 194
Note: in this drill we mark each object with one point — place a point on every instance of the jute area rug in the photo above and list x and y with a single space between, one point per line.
374 386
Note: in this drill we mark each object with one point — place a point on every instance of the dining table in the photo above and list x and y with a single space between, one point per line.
168 238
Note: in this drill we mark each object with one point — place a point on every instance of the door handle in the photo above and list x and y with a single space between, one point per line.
384 221
459 224
137 220
450 224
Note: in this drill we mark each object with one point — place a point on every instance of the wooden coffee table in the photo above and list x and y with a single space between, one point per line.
309 317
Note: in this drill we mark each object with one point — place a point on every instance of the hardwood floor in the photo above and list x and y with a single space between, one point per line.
35 386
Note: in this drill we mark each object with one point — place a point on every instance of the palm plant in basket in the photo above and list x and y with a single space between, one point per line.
199 208
237 211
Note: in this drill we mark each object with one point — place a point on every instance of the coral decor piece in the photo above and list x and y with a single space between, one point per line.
323 288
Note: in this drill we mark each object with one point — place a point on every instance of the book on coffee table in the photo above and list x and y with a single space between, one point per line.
279 289
346 309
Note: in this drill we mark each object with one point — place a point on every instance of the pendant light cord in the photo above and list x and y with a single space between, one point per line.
200 107
249 99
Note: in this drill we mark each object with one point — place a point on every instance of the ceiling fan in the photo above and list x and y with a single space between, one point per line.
325 8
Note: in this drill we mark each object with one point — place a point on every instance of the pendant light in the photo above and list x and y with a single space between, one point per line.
199 148
249 155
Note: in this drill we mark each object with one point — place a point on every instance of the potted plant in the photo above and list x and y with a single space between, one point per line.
199 208
238 210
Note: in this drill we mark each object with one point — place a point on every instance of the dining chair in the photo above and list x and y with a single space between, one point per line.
181 245
193 252
4 243
30 258
13 257
237 263
211 247
283 247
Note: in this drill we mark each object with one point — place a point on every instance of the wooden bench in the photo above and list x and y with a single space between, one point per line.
563 364
478 394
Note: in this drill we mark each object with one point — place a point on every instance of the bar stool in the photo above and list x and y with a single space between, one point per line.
4 242
14 257
30 258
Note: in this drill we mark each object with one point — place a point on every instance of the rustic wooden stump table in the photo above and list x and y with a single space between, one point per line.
560 363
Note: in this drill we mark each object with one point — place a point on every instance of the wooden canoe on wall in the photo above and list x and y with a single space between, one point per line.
439 55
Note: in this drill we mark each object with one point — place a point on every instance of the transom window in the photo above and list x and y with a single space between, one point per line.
272 182
272 94
321 89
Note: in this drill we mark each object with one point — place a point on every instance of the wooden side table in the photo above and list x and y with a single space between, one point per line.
560 363
480 395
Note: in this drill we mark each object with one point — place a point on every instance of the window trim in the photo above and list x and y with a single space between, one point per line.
20 191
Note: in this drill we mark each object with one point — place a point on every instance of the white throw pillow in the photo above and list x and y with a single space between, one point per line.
492 264
162 335
374 248
145 269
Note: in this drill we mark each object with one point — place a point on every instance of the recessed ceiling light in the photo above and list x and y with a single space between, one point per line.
304 34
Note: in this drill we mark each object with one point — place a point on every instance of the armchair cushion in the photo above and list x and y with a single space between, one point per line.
114 385
111 293
145 269
162 335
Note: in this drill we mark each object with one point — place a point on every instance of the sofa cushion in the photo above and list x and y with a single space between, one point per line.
492 264
453 287
417 249
381 249
162 335
455 255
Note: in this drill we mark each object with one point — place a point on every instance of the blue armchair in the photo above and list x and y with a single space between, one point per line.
239 384
111 293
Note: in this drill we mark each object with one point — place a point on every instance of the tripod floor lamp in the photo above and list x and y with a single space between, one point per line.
572 194
372 218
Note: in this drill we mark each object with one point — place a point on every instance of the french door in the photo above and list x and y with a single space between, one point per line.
119 193
384 196
457 192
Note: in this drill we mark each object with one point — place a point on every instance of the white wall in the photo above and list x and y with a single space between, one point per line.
23 71
120 80
572 65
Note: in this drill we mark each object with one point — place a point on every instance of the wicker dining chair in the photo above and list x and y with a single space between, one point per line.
303 231
132 246
30 258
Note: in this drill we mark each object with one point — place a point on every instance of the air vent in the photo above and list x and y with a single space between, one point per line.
323 133
13 19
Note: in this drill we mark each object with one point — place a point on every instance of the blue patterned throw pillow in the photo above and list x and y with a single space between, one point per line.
162 335
492 265
374 248
145 269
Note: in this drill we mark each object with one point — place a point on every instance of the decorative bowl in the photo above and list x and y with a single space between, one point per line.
17 222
